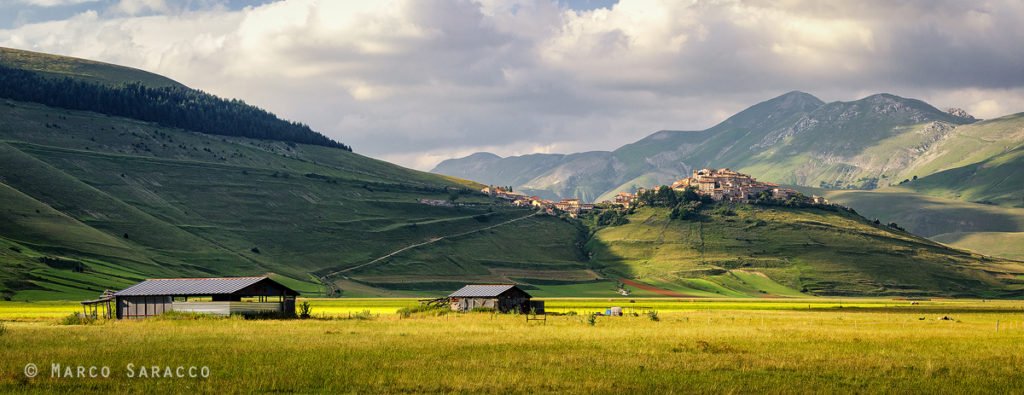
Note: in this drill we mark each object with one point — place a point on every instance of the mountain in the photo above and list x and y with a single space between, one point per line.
794 139
883 143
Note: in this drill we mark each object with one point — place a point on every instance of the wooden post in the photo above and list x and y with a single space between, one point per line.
997 325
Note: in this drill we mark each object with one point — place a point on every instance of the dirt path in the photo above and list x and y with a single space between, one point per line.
659 291
431 241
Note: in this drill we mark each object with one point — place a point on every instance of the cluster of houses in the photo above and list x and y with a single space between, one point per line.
732 186
718 184
721 185
572 207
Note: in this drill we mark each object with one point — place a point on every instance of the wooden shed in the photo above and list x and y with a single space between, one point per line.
218 296
501 297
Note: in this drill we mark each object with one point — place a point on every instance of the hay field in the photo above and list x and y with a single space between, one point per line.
699 345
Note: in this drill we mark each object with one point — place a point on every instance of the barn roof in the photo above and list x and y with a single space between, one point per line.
483 291
193 286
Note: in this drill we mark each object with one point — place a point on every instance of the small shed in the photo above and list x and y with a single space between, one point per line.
100 307
218 296
501 297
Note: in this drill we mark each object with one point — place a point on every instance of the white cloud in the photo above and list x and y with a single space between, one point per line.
417 81
136 7
54 3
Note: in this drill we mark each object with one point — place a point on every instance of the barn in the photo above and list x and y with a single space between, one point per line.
218 296
501 297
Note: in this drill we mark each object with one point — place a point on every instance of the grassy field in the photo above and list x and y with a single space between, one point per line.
717 346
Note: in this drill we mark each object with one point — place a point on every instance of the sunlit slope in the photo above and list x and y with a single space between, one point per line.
816 251
970 144
86 70
996 180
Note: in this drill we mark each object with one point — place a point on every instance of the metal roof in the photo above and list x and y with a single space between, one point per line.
483 291
192 286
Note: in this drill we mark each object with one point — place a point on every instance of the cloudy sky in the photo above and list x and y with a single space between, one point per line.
415 82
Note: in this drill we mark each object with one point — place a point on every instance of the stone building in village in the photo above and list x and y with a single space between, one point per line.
733 186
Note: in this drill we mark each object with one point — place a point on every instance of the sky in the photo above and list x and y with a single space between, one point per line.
419 81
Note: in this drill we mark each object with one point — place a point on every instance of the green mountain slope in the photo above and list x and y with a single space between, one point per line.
817 251
144 200
970 144
962 224
996 180
80 69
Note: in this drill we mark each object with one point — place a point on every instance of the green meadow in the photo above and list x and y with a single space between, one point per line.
696 345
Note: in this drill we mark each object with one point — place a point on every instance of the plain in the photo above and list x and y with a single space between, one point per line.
695 345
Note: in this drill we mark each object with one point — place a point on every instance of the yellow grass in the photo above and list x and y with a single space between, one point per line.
697 346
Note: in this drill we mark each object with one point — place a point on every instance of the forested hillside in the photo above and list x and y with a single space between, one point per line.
173 106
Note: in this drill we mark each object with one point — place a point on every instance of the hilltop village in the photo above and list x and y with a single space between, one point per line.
717 184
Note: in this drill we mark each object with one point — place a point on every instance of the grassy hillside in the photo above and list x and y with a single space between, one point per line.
749 250
1002 244
970 144
996 180
80 69
93 202
984 228
542 252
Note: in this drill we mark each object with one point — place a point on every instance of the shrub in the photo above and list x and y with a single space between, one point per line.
592 319
305 309
76 319
362 315
186 316
653 315
426 309
3 329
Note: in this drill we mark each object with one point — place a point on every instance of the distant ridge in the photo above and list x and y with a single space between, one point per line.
794 138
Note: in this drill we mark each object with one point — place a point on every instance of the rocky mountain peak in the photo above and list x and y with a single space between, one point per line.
960 113
797 100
